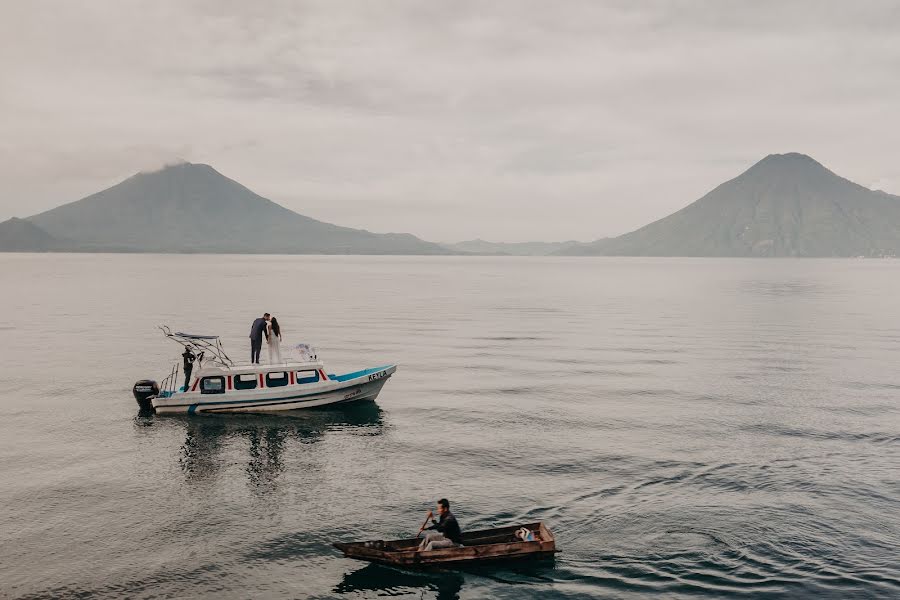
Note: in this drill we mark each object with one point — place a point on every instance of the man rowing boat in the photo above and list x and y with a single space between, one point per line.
443 532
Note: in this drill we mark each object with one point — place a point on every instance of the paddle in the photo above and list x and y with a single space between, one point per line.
422 528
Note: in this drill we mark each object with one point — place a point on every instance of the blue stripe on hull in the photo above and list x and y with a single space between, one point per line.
356 374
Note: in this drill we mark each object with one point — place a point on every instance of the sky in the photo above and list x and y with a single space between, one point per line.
501 120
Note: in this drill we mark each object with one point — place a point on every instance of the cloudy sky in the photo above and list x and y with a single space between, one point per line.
452 120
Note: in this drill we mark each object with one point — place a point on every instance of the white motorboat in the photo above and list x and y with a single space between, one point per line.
219 385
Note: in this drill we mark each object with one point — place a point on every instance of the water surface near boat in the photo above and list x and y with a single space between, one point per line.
686 427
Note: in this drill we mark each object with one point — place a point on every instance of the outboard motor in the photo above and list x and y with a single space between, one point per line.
144 391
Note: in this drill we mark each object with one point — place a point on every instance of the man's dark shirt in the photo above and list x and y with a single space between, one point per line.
449 527
189 359
257 329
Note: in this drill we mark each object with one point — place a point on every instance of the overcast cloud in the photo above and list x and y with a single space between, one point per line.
509 121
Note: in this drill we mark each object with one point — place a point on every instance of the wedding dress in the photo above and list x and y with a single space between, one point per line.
274 347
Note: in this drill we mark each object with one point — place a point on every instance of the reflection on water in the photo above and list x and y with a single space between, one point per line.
388 581
445 583
266 446
267 436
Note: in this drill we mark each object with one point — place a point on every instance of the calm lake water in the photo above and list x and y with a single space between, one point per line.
685 427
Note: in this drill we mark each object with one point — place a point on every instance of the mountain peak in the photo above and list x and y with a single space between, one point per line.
793 162
789 169
183 176
792 156
174 167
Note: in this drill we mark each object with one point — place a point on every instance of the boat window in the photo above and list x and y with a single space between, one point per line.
212 385
245 381
307 376
277 379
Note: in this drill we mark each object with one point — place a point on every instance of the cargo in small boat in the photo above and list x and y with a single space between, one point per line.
499 544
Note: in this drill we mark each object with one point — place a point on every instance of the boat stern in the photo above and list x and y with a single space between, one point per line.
145 390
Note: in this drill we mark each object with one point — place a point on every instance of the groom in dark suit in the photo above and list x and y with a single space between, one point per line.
257 331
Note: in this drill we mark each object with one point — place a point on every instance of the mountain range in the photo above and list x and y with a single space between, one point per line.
193 208
784 205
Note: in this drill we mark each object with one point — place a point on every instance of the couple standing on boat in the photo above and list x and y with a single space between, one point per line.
266 325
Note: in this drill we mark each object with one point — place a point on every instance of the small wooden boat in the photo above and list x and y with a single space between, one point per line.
477 546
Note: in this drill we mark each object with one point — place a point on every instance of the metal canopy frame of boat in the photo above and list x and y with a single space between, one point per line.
486 545
208 345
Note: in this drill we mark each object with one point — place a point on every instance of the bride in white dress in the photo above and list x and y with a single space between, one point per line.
274 341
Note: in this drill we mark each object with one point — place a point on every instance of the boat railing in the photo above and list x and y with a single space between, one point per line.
168 384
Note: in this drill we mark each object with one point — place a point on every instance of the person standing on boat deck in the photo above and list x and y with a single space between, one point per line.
273 338
445 532
189 359
257 330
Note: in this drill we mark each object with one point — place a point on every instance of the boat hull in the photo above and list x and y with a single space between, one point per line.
488 545
324 393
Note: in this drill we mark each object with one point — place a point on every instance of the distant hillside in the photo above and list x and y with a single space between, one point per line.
509 249
784 205
19 235
194 208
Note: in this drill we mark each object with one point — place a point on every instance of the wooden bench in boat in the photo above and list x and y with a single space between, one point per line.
477 546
